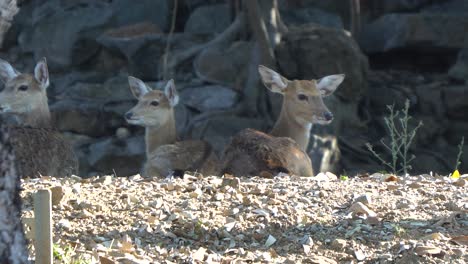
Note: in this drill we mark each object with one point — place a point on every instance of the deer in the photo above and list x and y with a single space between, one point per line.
166 157
283 150
40 149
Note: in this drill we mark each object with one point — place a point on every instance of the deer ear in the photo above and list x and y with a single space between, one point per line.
328 84
7 72
41 73
171 93
138 87
272 80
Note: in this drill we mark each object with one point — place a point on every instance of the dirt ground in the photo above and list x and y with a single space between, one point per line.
325 219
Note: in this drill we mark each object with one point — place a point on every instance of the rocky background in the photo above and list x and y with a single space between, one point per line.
401 49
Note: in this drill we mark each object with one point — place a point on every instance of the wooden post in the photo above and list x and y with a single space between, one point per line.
43 222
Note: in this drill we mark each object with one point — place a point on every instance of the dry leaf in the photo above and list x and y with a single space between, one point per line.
427 250
460 240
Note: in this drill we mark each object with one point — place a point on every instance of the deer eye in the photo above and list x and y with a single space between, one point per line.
154 103
23 88
303 97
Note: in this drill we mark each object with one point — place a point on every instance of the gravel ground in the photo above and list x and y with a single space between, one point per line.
367 219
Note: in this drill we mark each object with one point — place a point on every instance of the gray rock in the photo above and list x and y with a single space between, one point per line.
58 32
208 19
65 31
448 6
311 52
416 32
209 98
225 66
459 71
218 130
84 117
456 101
124 157
300 16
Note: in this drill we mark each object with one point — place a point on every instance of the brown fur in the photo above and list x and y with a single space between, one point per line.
39 148
42 151
253 153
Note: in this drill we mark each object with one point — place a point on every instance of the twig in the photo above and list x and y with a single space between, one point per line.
169 39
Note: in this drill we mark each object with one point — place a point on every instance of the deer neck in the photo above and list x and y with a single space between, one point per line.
287 126
156 136
39 117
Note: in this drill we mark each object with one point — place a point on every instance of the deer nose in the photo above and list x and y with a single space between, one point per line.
128 115
328 116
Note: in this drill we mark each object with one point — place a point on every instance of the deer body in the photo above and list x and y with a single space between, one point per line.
253 153
165 156
39 148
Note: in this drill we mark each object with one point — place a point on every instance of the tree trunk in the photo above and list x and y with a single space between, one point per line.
12 241
8 10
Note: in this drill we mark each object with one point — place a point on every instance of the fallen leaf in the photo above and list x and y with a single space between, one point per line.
427 250
460 240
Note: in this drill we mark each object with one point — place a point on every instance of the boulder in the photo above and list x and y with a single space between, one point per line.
299 16
124 157
209 98
209 19
311 52
84 117
416 32
218 130
65 31
226 66
459 70
455 98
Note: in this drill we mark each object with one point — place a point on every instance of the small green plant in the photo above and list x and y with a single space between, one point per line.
401 138
344 178
67 255
399 231
460 152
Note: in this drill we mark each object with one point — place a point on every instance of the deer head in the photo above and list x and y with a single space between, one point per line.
303 99
23 93
154 108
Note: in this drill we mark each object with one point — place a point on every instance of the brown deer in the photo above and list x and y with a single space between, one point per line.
39 148
165 156
253 153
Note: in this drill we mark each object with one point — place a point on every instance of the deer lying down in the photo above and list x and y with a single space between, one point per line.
165 156
39 148
253 153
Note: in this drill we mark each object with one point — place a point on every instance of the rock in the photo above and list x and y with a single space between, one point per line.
84 117
58 193
208 19
105 180
226 66
301 16
365 199
417 32
122 157
73 42
209 98
360 208
455 130
456 101
312 52
338 244
459 71
218 130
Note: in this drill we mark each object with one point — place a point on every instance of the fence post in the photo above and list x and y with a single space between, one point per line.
43 223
